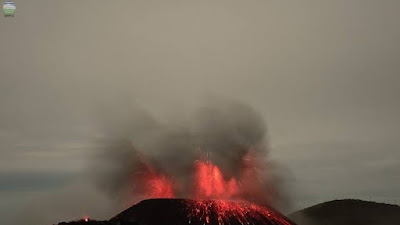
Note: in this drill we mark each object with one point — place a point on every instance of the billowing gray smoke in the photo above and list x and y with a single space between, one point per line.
223 131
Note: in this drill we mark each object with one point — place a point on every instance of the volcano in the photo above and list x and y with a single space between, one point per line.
198 212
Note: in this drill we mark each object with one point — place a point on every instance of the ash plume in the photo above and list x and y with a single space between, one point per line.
138 148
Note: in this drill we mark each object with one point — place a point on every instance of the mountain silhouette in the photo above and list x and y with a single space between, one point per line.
192 212
348 212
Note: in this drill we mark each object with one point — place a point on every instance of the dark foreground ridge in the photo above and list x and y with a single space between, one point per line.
348 212
193 212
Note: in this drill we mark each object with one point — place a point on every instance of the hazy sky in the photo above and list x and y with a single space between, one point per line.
324 74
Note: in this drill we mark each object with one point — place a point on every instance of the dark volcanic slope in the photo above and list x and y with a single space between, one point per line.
348 212
82 222
184 212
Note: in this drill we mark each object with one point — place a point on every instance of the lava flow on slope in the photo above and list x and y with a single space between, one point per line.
199 212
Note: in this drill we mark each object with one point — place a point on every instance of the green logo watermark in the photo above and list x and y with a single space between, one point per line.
9 9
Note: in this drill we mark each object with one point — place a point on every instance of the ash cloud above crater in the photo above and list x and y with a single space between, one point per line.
223 132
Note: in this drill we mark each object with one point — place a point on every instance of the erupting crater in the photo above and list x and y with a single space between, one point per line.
198 212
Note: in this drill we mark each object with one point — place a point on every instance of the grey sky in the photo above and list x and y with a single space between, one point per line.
324 74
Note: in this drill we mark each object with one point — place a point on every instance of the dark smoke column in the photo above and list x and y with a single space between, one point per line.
221 153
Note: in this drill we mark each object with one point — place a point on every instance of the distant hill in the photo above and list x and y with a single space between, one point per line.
348 212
